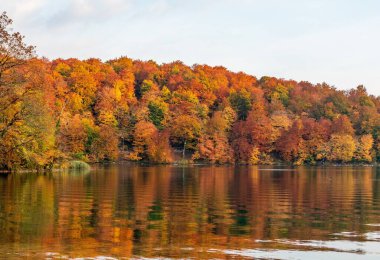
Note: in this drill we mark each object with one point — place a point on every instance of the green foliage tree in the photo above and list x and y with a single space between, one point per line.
157 112
241 102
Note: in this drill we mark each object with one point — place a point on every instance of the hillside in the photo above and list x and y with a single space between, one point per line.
54 111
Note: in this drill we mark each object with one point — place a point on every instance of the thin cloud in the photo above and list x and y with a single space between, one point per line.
84 12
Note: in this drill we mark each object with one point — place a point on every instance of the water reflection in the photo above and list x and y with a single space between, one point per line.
219 212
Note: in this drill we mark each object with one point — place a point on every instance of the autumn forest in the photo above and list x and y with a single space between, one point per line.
52 112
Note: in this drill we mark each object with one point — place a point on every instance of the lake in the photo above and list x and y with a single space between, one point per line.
227 212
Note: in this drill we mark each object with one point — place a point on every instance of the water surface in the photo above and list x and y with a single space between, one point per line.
129 211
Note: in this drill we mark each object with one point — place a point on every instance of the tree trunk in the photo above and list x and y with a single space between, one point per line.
184 149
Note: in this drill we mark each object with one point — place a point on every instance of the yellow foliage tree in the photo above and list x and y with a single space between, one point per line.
363 151
341 148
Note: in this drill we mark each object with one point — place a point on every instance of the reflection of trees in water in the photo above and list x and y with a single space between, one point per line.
132 210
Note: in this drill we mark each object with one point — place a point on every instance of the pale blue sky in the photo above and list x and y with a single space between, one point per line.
335 41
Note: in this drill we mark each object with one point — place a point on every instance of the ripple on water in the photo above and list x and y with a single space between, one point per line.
369 236
373 224
295 254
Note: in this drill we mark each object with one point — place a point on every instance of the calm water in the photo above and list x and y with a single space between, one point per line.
130 211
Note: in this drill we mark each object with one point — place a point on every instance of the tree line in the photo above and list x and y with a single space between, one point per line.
55 111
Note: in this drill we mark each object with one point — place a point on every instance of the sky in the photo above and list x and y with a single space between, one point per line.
332 41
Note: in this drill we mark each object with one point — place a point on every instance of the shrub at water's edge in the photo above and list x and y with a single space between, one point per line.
79 165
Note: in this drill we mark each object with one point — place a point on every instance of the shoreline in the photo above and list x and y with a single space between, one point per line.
192 164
